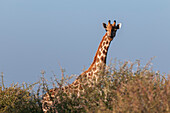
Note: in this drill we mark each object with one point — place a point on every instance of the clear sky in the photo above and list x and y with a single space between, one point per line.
39 35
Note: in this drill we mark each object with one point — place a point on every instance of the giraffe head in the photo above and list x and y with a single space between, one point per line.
111 28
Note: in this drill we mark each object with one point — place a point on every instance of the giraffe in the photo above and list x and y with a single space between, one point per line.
97 65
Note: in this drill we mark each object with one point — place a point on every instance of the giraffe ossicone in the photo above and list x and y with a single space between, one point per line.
91 74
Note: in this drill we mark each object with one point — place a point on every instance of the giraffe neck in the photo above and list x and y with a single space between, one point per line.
91 73
98 62
101 54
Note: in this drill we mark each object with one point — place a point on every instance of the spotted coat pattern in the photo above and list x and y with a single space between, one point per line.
91 73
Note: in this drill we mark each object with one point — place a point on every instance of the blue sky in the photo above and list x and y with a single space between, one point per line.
39 35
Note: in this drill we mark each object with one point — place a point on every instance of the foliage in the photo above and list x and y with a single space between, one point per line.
126 87
18 99
120 89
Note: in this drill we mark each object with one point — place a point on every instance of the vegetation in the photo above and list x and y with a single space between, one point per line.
123 88
19 99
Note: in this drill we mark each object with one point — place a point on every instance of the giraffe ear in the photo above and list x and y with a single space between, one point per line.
104 25
119 26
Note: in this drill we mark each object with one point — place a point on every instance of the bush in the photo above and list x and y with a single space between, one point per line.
126 87
120 89
18 99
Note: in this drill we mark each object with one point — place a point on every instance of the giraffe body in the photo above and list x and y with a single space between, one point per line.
91 73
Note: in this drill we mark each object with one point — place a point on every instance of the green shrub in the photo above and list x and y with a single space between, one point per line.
18 99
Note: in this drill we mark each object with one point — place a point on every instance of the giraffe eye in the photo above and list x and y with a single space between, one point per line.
114 29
